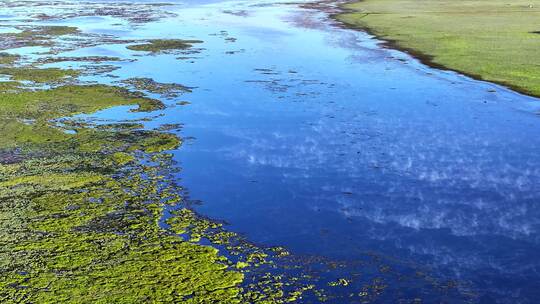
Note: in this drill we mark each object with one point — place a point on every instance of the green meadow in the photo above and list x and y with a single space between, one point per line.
497 41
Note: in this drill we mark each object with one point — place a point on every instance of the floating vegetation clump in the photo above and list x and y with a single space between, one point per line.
161 45
35 36
8 59
70 99
91 59
49 75
168 90
47 31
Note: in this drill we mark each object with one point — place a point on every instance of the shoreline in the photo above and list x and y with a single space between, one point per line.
340 9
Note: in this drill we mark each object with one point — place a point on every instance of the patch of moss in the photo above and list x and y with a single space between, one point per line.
69 100
9 86
75 229
122 158
157 143
35 36
159 45
8 59
38 31
49 75
168 90
26 114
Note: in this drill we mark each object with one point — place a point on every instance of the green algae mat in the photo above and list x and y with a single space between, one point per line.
79 212
498 41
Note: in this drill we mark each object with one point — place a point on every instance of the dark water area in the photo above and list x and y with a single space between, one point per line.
312 137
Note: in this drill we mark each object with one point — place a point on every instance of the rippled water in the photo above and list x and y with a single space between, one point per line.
313 137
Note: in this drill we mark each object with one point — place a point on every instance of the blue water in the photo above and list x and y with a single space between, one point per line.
313 137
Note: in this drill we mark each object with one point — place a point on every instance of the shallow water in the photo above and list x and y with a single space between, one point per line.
312 137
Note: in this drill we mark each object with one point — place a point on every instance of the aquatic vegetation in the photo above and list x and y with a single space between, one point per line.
9 86
160 45
122 158
157 143
135 13
340 282
168 90
75 228
92 59
49 75
80 211
8 59
492 40
70 99
46 31
264 280
80 223
35 36
25 113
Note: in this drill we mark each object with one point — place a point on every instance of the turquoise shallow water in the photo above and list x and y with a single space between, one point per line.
309 136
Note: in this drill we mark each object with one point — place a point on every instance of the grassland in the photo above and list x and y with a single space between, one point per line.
497 40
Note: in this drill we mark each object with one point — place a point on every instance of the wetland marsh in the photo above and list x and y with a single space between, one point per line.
253 152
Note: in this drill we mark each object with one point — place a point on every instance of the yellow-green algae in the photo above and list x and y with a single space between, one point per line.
493 40
38 107
69 100
263 284
76 230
